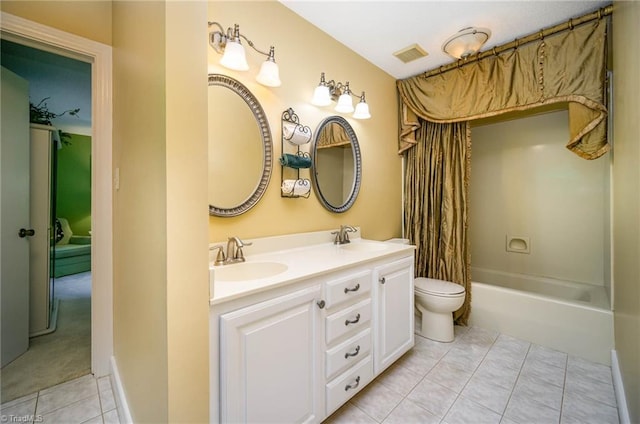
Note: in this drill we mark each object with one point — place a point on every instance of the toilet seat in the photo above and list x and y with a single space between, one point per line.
437 287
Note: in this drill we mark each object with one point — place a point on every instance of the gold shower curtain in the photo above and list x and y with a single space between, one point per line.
436 185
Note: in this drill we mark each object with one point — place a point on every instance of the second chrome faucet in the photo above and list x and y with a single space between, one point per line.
342 235
234 251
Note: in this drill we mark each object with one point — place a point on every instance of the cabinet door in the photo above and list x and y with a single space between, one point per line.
268 352
394 317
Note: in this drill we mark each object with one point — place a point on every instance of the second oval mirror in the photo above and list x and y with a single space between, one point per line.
337 168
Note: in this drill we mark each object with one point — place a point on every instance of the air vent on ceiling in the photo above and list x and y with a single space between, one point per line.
410 53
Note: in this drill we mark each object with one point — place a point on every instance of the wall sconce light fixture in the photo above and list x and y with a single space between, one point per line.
466 42
326 92
234 57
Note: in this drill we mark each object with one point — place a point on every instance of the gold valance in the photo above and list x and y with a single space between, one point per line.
566 67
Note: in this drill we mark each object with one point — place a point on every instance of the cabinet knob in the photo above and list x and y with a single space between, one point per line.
354 385
321 304
382 280
352 321
356 288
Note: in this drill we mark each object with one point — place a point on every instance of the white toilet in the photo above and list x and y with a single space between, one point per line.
436 300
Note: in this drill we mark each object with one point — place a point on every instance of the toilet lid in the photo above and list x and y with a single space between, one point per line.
431 285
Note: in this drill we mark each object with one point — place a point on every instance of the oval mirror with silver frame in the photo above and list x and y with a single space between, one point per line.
337 166
240 147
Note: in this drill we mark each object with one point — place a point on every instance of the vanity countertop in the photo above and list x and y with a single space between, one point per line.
302 262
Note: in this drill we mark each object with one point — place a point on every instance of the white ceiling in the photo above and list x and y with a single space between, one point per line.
377 29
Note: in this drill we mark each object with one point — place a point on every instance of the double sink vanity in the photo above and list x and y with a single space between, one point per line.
304 323
299 323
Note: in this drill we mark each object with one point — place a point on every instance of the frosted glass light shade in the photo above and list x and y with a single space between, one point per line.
345 104
269 74
466 42
362 111
234 57
321 96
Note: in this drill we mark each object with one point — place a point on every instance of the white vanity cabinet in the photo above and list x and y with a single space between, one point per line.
268 366
394 315
299 349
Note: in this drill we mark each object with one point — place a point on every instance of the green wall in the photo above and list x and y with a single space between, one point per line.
74 184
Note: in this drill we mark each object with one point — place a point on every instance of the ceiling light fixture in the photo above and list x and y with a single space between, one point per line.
234 57
466 42
326 92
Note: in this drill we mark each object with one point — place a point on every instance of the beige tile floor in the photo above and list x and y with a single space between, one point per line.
83 400
482 377
485 377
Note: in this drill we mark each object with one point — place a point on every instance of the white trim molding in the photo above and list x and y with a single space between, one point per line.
618 387
118 393
99 56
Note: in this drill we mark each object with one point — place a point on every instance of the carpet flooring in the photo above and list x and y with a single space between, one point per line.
60 356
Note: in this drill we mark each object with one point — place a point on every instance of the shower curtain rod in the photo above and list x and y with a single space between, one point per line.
570 24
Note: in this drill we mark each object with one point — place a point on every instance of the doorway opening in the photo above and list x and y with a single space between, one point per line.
60 212
99 57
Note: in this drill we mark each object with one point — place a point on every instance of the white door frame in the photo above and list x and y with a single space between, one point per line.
100 56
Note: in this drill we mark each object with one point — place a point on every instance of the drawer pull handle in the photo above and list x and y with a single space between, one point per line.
383 280
346 355
347 290
347 322
352 386
320 304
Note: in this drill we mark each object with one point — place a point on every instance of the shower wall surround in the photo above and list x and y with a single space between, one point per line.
525 183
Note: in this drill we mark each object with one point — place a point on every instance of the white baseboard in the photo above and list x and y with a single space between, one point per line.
621 399
118 390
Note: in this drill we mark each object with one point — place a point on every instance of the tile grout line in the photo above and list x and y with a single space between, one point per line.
564 387
458 395
513 389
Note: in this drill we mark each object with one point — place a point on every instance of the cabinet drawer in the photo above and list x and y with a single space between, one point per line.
348 384
346 288
348 353
351 319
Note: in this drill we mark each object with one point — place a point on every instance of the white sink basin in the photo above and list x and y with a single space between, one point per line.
363 246
248 271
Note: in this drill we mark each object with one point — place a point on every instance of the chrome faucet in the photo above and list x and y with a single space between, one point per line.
234 251
342 236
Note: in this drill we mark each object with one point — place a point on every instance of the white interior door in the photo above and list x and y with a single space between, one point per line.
14 215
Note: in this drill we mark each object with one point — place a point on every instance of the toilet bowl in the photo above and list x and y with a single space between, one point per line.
436 300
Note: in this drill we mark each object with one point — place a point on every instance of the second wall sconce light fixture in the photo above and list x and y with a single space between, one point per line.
233 55
326 92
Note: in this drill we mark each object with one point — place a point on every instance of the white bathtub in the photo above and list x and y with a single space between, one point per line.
571 317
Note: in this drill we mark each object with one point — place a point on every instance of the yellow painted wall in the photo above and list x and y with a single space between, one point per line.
302 53
187 218
89 19
140 204
626 197
160 219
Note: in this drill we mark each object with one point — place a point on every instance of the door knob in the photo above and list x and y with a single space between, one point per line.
26 233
